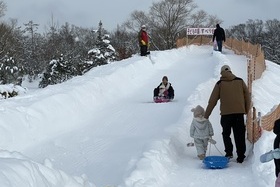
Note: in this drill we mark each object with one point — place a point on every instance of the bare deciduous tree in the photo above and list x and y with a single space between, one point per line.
168 18
212 21
254 30
271 40
198 19
3 8
137 18
251 31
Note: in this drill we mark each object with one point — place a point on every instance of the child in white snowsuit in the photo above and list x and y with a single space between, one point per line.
201 130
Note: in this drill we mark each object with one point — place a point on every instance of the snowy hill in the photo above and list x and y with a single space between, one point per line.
104 127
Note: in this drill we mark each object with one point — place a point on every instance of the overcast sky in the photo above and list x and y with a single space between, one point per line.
88 13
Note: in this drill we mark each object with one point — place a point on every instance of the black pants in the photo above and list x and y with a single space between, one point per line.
220 45
143 50
276 145
236 123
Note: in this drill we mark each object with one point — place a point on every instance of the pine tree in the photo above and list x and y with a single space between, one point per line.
102 53
33 60
10 71
58 71
11 55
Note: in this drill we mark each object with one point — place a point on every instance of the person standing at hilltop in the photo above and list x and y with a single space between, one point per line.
219 36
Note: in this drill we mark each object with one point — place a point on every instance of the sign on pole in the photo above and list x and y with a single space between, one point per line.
200 31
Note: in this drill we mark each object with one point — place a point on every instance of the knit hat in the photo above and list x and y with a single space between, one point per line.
143 26
276 128
198 111
225 68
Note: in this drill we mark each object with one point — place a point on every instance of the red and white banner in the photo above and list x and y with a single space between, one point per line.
200 31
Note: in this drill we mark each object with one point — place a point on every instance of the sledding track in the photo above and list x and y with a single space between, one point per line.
127 140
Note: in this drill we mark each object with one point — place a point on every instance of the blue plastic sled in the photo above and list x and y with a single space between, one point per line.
215 162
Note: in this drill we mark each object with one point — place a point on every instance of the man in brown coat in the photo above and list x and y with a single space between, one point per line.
234 103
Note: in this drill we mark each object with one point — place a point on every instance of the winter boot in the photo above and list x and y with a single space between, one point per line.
201 157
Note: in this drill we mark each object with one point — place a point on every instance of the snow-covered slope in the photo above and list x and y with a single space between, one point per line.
104 127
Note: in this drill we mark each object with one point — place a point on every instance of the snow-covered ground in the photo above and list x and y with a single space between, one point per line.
103 129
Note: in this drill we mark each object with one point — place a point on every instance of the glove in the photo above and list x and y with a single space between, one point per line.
266 157
143 42
212 141
273 154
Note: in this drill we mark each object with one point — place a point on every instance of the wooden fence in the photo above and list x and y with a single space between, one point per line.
255 67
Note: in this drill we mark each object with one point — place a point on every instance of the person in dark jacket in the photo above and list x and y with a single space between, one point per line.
143 39
275 153
235 101
219 36
164 89
276 130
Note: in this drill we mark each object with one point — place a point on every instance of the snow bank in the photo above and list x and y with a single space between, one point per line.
11 90
266 89
44 113
265 97
29 120
17 170
155 166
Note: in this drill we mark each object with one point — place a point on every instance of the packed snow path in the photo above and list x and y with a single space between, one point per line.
125 122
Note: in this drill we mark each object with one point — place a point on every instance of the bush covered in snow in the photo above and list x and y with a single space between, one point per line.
11 90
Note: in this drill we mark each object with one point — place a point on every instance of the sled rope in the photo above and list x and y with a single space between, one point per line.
209 152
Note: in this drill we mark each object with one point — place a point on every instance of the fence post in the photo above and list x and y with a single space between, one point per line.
259 126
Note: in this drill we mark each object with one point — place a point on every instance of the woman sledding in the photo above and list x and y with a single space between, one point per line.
164 92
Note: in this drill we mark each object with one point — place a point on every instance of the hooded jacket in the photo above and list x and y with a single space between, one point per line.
201 128
233 95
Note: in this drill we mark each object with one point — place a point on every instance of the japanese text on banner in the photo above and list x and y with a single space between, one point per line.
200 31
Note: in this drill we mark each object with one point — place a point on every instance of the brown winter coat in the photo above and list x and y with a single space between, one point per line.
233 95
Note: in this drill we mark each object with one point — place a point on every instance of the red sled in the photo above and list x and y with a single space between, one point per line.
161 100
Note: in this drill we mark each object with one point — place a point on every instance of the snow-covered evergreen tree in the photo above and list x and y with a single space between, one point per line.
11 55
102 53
10 71
58 71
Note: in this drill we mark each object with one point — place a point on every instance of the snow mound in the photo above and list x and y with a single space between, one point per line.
17 170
